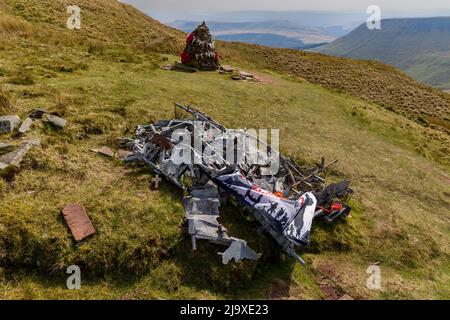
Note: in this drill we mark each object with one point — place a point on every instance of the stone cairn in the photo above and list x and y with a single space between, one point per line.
200 51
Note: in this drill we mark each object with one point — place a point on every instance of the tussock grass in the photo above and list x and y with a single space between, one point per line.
140 232
22 78
5 103
400 172
14 26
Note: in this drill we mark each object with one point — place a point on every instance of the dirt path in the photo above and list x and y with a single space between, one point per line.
263 77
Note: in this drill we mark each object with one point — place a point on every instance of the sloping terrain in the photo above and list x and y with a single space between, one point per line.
102 21
122 25
420 46
264 39
369 80
399 168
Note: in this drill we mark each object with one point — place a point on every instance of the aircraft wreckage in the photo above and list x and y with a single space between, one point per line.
285 202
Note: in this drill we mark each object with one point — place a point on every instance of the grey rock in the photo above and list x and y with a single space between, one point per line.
246 74
227 69
167 67
9 123
4 146
37 114
105 151
26 125
3 166
122 154
54 120
14 158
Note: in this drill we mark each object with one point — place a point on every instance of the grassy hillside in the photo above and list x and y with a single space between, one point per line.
102 22
399 169
432 68
369 80
107 21
414 45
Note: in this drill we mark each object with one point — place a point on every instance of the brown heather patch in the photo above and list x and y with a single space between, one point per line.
371 81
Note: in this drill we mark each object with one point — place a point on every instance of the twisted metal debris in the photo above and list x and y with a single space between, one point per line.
285 203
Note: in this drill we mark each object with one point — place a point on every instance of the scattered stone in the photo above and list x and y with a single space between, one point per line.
9 123
244 76
122 154
167 67
54 120
15 157
26 125
105 151
4 146
3 167
227 69
78 221
37 114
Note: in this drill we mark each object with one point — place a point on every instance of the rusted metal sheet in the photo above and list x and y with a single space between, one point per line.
79 223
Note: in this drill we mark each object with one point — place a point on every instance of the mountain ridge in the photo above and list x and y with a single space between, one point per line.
405 43
105 82
306 34
370 81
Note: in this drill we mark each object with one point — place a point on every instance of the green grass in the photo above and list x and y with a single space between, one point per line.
432 69
399 169
111 24
140 250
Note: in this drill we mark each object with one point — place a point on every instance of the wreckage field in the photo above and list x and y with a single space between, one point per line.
141 248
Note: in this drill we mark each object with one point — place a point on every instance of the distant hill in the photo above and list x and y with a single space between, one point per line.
121 24
283 34
106 78
265 39
419 46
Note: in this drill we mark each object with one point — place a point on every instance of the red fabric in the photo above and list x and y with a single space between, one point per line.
216 56
337 207
185 58
190 38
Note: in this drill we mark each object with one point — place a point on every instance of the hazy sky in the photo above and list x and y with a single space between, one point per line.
333 5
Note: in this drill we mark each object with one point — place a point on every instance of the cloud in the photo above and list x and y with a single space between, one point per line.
325 5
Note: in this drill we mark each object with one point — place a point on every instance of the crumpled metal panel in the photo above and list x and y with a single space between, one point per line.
239 250
202 206
202 212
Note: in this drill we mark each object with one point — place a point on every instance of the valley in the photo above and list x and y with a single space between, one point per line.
105 79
